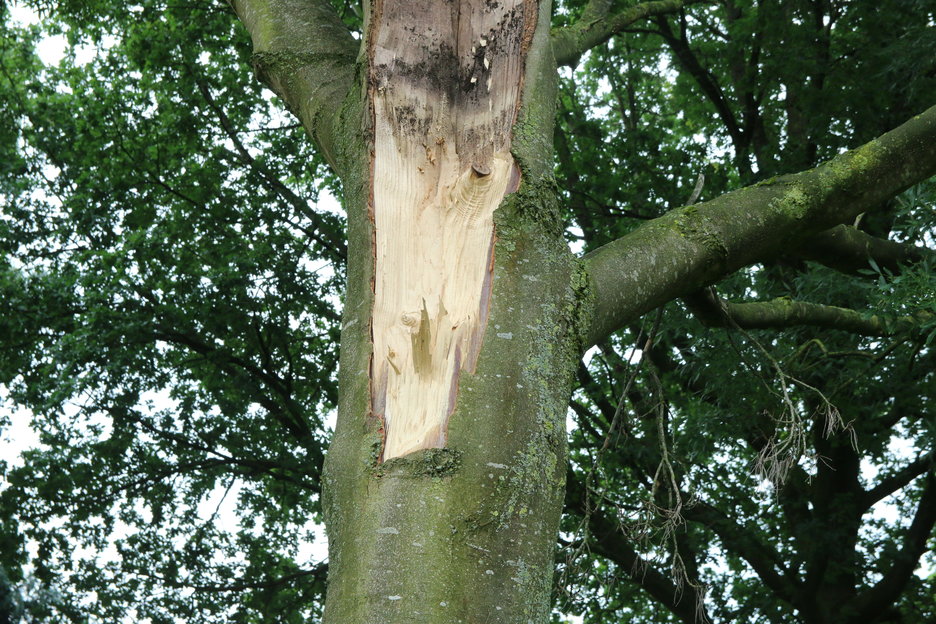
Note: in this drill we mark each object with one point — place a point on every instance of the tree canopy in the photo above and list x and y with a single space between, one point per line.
171 277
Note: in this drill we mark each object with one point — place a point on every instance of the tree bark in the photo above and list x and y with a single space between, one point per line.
695 246
444 481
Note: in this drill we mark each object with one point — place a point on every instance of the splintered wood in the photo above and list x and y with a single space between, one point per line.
445 82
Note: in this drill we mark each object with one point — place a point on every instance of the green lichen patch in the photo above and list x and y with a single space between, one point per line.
581 305
794 202
532 208
286 61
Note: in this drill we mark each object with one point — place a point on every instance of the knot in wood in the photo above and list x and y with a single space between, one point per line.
480 170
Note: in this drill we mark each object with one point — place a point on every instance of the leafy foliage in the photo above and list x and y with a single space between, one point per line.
169 315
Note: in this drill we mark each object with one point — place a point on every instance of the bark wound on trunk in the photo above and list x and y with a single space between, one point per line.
445 80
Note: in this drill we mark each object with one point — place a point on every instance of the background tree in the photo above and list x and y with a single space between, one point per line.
170 314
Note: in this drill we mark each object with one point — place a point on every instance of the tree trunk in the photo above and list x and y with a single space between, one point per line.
446 473
465 313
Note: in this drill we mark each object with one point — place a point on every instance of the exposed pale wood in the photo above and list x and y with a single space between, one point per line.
445 83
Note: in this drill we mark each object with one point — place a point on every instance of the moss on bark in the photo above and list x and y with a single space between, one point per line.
465 533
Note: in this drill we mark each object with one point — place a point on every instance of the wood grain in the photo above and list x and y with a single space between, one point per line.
445 82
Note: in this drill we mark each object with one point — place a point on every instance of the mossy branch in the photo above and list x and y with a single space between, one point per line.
692 247
847 249
306 55
714 311
597 25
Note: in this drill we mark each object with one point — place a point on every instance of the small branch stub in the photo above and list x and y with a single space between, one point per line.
480 170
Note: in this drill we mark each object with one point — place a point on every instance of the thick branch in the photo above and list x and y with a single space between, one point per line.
897 480
607 539
709 86
692 247
304 53
847 249
714 311
736 538
596 26
886 591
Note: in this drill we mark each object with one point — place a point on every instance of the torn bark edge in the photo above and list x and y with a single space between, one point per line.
377 411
